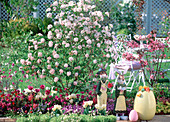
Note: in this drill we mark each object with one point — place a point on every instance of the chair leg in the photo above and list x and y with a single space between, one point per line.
114 84
143 78
134 81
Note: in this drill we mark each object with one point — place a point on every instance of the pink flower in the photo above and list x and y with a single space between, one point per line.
71 58
68 73
61 71
107 55
154 35
39 61
42 40
35 47
56 63
42 76
34 42
75 83
152 77
42 86
67 45
39 54
48 61
47 92
49 15
32 58
87 55
48 9
52 71
55 79
48 58
164 55
29 55
88 41
56 56
65 65
76 74
22 61
98 44
37 90
95 61
76 39
59 35
30 87
48 66
33 67
50 43
79 47
78 67
75 52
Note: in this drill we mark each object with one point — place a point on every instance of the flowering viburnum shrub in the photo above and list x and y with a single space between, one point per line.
75 45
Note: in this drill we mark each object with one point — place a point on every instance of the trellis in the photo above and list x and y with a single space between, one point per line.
151 17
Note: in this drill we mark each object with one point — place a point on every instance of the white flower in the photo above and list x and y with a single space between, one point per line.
55 3
104 106
49 26
107 13
90 103
71 101
56 107
85 104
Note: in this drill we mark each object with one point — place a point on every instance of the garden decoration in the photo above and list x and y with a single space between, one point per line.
102 88
133 115
145 103
120 94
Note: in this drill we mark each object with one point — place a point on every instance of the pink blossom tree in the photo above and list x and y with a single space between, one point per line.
75 45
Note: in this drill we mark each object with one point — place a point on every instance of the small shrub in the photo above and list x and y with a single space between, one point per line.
44 118
21 119
112 118
54 119
34 119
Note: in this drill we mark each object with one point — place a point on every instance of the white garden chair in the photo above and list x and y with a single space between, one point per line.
122 66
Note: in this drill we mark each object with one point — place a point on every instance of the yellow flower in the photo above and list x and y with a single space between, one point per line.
90 103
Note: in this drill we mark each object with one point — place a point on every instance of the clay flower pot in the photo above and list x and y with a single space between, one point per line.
145 104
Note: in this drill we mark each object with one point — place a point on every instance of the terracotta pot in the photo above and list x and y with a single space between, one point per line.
145 105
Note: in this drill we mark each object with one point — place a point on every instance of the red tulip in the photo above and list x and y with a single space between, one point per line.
110 85
30 87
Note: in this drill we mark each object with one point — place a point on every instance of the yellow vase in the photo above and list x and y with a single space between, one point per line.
145 105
